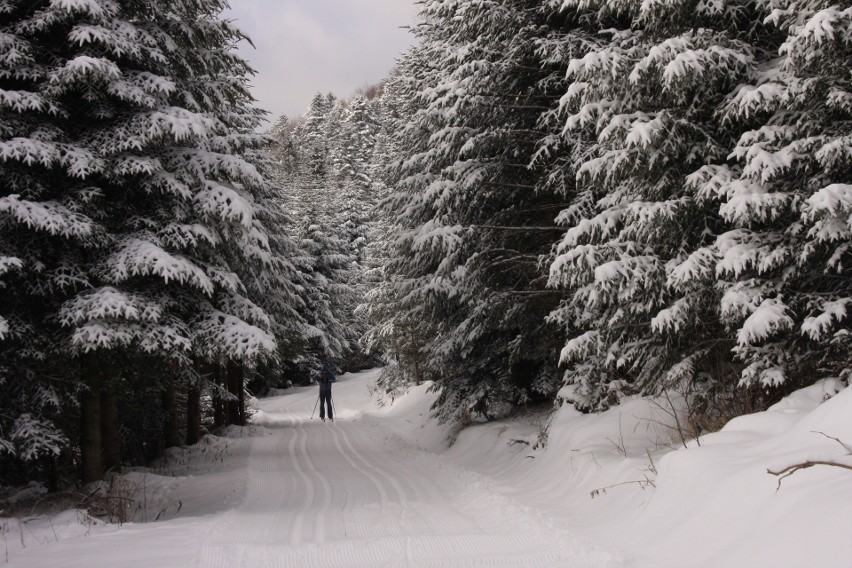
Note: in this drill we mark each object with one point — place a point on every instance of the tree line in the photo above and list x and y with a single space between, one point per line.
150 269
593 199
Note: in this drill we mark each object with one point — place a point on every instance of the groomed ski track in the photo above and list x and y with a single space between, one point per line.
343 494
349 494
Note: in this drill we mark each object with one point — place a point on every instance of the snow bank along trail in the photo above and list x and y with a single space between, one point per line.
347 494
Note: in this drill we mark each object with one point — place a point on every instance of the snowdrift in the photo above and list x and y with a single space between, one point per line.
622 478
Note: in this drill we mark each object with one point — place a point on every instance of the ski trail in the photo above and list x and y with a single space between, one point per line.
397 466
299 441
383 494
401 495
321 511
348 494
261 510
351 494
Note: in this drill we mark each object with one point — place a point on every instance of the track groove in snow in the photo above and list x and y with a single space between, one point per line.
314 473
348 456
400 494
298 445
350 495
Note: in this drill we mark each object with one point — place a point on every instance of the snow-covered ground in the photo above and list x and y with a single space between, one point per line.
382 487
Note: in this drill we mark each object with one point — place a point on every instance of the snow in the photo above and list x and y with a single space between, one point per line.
85 68
34 438
672 318
137 256
818 327
108 302
834 199
699 265
49 216
770 317
227 203
93 7
579 346
217 330
821 26
384 486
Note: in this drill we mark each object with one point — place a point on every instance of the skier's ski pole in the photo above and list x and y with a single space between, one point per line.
315 407
333 408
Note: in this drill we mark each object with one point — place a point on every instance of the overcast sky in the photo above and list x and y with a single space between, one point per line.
305 46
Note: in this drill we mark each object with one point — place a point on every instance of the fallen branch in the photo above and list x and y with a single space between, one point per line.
790 470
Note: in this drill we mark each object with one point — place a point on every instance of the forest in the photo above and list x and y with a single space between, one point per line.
548 202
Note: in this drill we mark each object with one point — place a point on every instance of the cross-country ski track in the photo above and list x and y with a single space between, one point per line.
347 494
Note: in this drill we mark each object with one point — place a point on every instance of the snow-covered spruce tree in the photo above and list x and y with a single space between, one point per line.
642 309
785 265
38 234
474 223
680 243
304 171
637 259
353 196
351 159
132 211
391 333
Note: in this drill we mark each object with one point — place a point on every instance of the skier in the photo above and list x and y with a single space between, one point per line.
325 378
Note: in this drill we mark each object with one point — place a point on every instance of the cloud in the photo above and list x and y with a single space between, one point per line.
306 46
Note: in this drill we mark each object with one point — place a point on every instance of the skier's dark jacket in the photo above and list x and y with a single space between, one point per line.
325 378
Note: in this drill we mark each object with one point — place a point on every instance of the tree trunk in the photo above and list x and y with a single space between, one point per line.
110 436
241 398
193 416
90 438
236 407
418 376
218 404
171 427
52 472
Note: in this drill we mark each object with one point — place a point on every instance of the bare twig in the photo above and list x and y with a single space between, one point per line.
838 440
643 483
671 412
620 445
652 467
594 459
680 430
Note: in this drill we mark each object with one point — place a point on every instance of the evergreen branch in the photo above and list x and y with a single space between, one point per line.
521 228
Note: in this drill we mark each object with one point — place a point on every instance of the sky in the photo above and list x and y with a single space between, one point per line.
306 46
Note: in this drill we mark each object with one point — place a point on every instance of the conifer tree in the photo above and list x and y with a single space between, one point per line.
475 217
305 171
689 256
784 265
130 225
641 108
